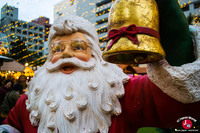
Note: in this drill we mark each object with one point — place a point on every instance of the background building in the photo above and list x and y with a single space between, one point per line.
32 34
9 12
43 21
191 8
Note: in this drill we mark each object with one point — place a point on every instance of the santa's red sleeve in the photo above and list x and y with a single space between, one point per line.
145 105
18 117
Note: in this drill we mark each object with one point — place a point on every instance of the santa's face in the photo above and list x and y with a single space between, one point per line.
67 46
60 101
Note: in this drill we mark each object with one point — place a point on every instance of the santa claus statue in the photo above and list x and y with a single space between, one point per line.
76 91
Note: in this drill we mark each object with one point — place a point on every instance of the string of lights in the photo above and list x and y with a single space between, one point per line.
41 59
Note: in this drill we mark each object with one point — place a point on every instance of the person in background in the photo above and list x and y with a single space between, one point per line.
4 90
1 81
10 99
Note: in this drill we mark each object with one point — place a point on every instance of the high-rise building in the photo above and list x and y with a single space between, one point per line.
32 34
64 8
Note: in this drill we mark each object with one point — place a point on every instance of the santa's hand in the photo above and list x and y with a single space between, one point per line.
181 83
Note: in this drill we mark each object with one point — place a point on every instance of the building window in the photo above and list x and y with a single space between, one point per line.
30 39
12 29
30 27
18 31
100 3
12 22
105 20
40 35
104 39
71 2
12 37
25 32
35 41
59 14
41 41
186 8
103 11
40 29
36 28
24 39
30 33
40 54
18 37
196 5
35 34
102 30
25 26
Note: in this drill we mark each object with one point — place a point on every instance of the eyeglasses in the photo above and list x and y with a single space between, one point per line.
76 45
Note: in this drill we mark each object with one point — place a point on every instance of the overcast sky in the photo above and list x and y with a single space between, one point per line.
32 9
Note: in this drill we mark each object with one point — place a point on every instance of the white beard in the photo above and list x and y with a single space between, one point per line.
80 102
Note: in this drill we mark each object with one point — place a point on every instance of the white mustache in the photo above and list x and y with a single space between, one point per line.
78 63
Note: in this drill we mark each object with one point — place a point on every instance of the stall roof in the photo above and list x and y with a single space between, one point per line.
12 66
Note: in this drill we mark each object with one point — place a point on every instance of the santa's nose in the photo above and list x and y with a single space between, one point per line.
67 53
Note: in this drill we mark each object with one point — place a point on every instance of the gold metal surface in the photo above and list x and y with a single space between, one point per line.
143 13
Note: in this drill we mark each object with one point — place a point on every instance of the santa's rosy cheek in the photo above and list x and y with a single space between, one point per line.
55 58
83 57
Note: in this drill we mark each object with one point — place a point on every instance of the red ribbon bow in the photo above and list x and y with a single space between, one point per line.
130 32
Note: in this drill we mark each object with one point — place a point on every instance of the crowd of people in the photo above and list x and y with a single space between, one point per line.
9 94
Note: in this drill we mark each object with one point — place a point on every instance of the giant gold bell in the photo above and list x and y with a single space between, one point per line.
142 13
